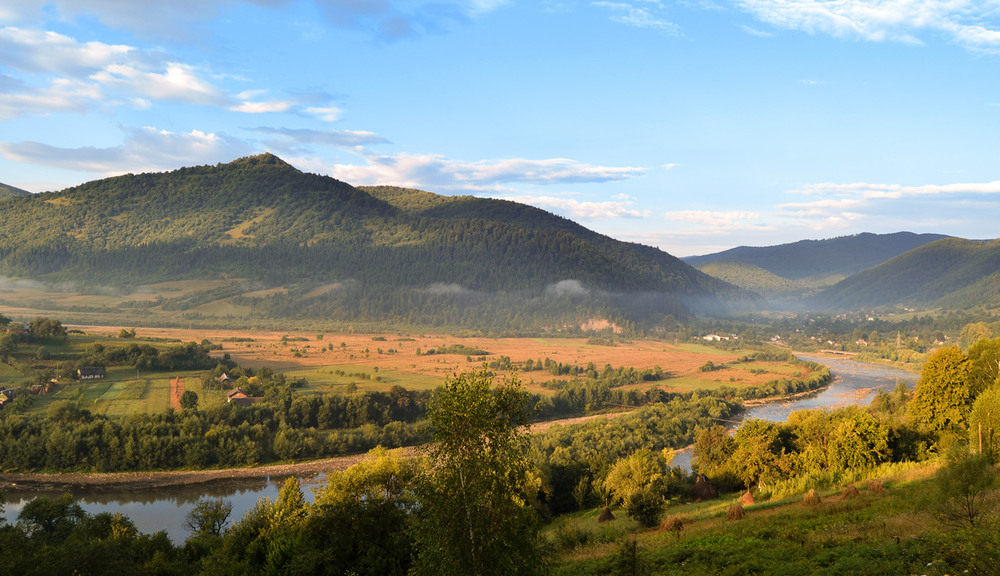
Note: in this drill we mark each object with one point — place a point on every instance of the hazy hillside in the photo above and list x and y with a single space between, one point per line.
951 272
8 191
834 258
757 279
340 252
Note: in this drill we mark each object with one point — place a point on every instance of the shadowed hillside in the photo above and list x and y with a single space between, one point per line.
344 253
835 257
951 272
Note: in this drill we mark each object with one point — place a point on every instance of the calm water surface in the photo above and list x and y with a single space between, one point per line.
166 508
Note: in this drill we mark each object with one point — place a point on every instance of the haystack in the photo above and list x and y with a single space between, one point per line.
735 512
703 489
672 524
876 487
849 493
746 499
811 498
606 516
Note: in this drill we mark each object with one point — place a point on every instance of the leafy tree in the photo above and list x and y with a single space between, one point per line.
984 422
645 506
860 441
712 449
759 453
964 486
639 471
208 517
943 395
974 332
474 517
984 364
189 400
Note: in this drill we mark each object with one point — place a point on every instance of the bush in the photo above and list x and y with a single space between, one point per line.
645 507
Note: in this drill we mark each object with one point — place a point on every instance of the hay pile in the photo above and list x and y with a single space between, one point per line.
746 499
811 498
876 487
735 512
703 489
850 493
606 516
673 524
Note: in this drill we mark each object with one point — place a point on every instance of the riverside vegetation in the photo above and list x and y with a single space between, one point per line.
458 507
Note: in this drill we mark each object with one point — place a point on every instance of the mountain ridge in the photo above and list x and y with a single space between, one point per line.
261 220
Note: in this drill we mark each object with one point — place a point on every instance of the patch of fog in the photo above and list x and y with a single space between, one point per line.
13 284
442 289
567 288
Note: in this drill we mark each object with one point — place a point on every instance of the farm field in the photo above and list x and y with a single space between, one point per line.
357 362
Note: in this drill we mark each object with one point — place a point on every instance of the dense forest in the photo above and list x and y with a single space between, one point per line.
341 252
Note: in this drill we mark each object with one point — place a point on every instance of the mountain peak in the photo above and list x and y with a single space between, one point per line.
259 161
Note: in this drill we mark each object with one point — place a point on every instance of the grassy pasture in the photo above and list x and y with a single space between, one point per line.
342 362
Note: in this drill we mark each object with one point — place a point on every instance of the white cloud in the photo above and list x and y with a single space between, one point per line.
583 209
964 22
179 82
715 220
645 16
45 51
438 172
263 107
293 138
867 190
758 33
327 114
61 95
182 20
144 150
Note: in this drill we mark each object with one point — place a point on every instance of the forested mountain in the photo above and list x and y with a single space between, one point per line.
952 273
6 191
341 252
835 258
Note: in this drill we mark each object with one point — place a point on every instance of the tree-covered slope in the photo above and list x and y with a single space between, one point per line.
952 272
835 257
380 252
7 191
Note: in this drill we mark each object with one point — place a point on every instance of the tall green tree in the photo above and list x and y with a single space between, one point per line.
943 395
474 516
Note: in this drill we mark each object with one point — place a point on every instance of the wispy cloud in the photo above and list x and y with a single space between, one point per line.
969 23
642 14
143 150
440 173
583 209
293 139
182 20
52 73
708 221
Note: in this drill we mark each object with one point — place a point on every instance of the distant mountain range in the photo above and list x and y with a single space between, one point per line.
345 253
865 270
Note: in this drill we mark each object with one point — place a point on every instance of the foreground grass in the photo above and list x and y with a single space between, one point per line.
887 533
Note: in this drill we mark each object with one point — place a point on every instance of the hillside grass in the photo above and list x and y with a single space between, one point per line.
888 533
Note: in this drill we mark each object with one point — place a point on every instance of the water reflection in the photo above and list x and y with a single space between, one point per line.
164 509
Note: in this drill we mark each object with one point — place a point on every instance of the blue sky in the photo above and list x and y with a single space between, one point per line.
694 126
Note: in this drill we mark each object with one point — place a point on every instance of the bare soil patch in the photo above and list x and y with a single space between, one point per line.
176 390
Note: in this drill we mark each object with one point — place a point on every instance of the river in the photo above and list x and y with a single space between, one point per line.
166 508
